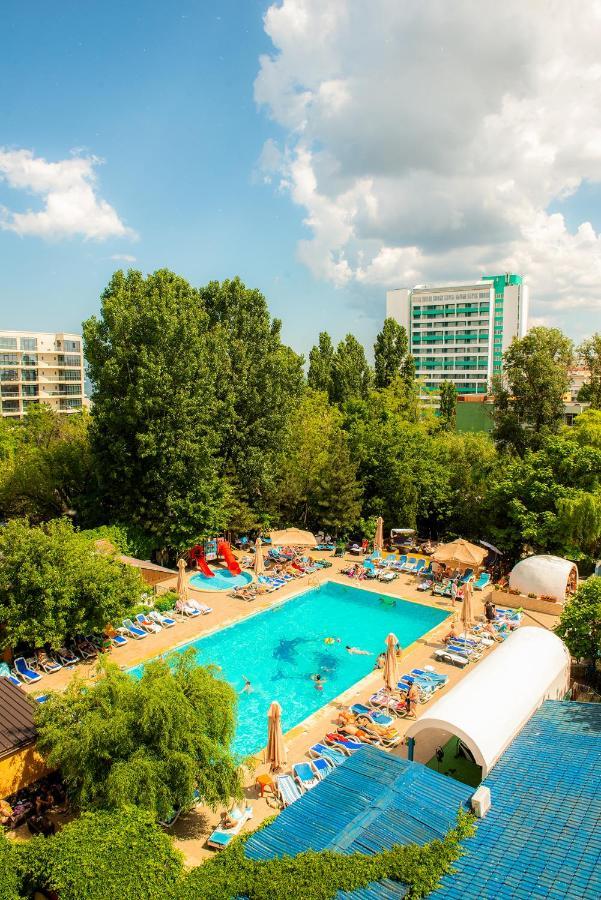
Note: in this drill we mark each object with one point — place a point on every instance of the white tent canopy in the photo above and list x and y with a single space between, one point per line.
545 576
490 706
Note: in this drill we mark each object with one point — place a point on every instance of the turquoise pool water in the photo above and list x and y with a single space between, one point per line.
279 650
223 580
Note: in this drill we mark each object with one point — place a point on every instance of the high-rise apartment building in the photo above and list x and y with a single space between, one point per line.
40 367
458 332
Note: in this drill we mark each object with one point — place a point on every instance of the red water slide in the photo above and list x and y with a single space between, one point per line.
224 549
198 555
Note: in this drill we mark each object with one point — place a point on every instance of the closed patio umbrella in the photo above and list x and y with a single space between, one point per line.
379 536
460 553
182 585
466 609
292 536
259 566
390 673
276 752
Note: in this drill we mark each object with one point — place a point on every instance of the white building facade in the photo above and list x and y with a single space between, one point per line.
459 332
40 367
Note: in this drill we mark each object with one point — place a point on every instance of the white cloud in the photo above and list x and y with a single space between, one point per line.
68 192
123 257
428 141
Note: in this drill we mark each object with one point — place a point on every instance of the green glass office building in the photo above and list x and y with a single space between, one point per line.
458 332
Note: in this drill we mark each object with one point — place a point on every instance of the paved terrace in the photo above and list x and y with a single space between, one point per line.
192 830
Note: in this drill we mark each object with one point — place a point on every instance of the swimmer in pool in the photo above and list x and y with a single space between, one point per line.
247 689
357 651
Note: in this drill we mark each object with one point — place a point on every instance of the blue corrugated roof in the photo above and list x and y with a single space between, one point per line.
370 802
542 836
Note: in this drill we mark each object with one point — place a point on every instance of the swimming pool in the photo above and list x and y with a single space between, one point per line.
279 650
223 580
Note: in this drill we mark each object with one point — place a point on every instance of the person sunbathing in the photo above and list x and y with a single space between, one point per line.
359 733
450 636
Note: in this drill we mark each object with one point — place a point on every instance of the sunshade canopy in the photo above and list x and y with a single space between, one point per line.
459 553
490 706
293 536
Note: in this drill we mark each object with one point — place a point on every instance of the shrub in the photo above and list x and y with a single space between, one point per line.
166 601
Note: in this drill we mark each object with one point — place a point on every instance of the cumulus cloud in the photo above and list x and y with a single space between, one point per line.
429 141
123 257
67 190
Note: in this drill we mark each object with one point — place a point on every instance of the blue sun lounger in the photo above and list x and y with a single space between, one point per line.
322 767
483 581
6 673
133 630
305 776
24 672
333 756
380 718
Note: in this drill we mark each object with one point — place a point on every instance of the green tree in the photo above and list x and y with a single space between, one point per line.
48 471
589 353
529 399
321 361
53 584
104 856
580 622
259 386
317 478
351 375
390 351
9 869
169 734
447 415
156 367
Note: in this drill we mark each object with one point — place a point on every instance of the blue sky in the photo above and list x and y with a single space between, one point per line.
310 147
163 93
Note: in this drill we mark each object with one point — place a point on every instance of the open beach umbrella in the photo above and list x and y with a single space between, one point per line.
379 536
460 553
466 609
390 674
294 537
259 566
276 752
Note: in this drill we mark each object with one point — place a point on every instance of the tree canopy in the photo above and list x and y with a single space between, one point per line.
149 741
580 623
54 584
589 353
390 351
447 414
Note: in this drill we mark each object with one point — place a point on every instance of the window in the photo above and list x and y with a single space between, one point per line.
72 346
9 375
70 404
29 359
69 375
9 359
69 389
29 375
68 360
9 390
27 403
8 343
29 390
10 406
29 343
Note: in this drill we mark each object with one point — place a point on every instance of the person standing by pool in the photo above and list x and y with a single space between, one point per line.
412 699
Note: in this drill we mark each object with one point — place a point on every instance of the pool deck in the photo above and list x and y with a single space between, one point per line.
191 830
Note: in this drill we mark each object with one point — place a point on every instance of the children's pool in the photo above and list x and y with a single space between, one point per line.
278 650
222 580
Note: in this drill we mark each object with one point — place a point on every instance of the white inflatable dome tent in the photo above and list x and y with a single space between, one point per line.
491 705
545 576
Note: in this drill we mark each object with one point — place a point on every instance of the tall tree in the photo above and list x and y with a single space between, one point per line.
580 623
156 366
535 379
260 385
590 355
447 413
321 361
170 734
390 350
54 585
351 375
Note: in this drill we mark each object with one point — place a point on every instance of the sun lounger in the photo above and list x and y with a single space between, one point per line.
482 582
148 624
388 576
287 789
400 562
85 648
382 700
434 677
162 619
444 655
322 767
380 718
23 671
341 740
305 776
333 756
184 609
472 652
420 566
440 589
6 673
467 576
221 837
133 630
410 565
48 665
66 656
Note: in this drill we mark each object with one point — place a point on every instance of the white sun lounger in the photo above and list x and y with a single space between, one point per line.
444 655
288 789
221 837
